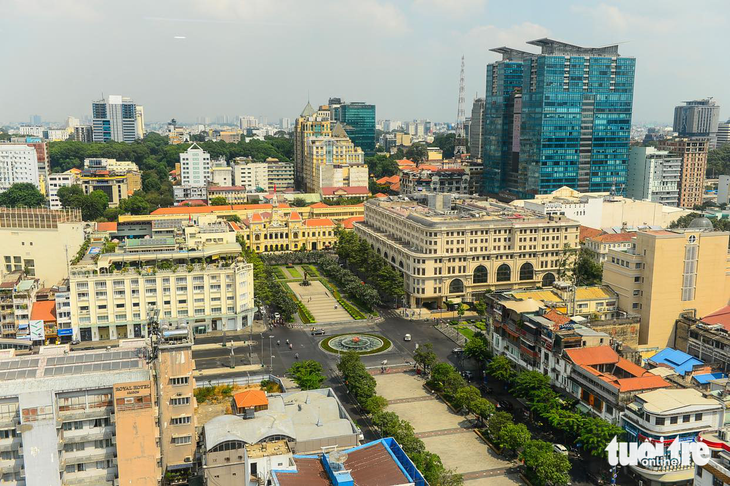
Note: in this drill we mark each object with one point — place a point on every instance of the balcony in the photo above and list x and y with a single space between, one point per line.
718 470
11 465
87 435
83 414
12 444
88 455
8 421
88 478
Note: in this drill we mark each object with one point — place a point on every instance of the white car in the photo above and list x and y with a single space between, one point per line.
407 337
560 449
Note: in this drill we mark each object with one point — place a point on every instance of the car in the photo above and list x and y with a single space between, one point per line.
75 341
467 374
560 449
505 405
457 350
318 332
407 337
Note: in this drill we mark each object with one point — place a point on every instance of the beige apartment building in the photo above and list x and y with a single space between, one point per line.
197 277
36 241
666 273
333 161
693 152
456 250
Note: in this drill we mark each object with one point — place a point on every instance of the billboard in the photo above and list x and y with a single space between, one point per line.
37 331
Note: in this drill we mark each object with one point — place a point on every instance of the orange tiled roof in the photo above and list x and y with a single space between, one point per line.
380 194
720 316
250 398
647 382
592 356
358 190
555 316
388 180
44 310
294 216
405 162
587 232
319 205
256 218
210 209
235 226
110 226
319 222
613 237
349 222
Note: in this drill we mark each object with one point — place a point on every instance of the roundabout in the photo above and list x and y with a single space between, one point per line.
358 342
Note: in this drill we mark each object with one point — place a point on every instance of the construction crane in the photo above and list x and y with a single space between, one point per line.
460 141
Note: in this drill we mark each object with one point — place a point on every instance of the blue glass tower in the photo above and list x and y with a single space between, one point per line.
567 123
359 121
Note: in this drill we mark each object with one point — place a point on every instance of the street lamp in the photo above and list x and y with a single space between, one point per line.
271 352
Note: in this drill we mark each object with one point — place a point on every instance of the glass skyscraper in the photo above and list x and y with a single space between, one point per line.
114 118
359 121
558 118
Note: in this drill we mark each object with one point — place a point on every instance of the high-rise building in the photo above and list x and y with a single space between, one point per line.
561 117
329 160
18 164
698 118
311 123
693 153
476 125
35 119
195 167
57 181
114 118
250 174
285 124
723 133
654 175
139 120
83 133
358 120
666 273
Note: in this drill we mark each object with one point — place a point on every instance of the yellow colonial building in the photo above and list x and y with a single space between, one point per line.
311 123
278 231
666 273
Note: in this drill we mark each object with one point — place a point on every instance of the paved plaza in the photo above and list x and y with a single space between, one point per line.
320 302
443 432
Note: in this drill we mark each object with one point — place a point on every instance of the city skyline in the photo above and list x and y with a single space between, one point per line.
253 64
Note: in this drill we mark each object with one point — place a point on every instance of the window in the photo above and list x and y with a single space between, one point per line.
686 418
698 417
527 271
660 420
184 439
480 275
504 273
185 420
673 420
180 401
182 380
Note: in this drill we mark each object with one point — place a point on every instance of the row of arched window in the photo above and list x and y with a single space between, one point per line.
504 274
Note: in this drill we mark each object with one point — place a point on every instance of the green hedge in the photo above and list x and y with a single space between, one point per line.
278 273
351 309
311 271
305 314
294 272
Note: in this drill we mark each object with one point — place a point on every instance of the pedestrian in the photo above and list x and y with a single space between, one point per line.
290 346
278 341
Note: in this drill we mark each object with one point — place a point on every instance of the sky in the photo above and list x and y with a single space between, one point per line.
190 58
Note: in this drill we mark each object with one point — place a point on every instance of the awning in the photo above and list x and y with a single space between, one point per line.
583 408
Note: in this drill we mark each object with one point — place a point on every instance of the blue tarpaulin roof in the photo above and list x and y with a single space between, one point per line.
707 377
682 363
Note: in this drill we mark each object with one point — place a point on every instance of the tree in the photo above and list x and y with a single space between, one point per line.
375 404
92 206
497 421
299 202
466 397
483 409
446 142
477 348
307 374
529 381
513 436
718 161
439 374
417 153
580 266
136 204
548 466
24 195
218 201
501 368
425 357
595 434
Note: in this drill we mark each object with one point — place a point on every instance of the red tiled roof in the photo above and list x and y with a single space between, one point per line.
349 222
380 194
192 202
405 162
587 232
319 205
294 216
648 382
613 237
592 356
357 190
250 398
641 379
720 316
110 226
234 226
319 222
256 218
374 465
44 310
388 180
309 472
210 209
555 316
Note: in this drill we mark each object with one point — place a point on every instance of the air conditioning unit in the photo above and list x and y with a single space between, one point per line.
189 459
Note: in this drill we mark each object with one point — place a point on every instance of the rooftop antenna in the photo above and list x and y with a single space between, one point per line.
460 140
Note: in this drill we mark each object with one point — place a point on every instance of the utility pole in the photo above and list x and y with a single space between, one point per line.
460 140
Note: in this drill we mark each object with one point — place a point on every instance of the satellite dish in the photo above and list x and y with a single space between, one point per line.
339 457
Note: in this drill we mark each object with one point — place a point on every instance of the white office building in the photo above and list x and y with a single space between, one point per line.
653 175
252 175
18 164
195 167
35 131
114 118
57 181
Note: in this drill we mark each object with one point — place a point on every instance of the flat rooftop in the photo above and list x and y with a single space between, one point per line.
266 449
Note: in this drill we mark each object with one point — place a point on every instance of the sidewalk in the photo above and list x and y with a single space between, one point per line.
229 344
224 371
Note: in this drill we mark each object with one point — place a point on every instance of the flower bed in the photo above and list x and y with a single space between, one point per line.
386 343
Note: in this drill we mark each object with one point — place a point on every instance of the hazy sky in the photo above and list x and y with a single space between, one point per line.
262 57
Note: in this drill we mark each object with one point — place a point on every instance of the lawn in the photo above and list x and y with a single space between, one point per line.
294 272
466 332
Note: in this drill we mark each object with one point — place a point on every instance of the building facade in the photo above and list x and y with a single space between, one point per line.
476 129
202 282
654 175
114 118
358 119
723 133
195 167
693 154
281 175
466 248
311 123
558 118
450 181
668 272
324 155
698 118
250 174
18 164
